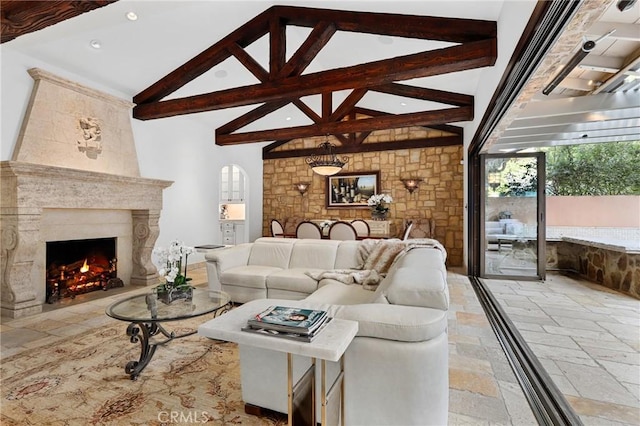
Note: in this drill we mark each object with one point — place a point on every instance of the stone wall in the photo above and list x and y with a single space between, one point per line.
440 196
616 270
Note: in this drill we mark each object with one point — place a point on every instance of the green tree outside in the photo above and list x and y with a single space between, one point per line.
594 169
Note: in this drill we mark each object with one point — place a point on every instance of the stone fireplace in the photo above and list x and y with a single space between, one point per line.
74 175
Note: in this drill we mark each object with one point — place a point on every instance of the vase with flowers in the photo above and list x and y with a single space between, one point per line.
379 204
174 271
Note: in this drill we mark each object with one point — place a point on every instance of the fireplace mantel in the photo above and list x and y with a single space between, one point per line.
29 190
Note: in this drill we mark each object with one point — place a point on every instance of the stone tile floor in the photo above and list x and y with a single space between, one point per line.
482 388
588 339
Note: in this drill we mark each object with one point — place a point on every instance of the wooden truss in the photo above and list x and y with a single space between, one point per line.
284 82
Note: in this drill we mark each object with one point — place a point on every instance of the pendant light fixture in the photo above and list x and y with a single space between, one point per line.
326 162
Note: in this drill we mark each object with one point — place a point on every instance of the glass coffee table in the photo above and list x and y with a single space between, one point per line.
146 313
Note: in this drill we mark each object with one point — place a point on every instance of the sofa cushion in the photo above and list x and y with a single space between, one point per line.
411 287
293 279
335 292
347 255
271 252
417 278
253 276
314 254
394 322
421 258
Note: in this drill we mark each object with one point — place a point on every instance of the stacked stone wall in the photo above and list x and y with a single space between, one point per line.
613 269
439 197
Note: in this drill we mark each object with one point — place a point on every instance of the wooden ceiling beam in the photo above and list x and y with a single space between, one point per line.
307 110
22 17
421 27
348 104
207 59
296 65
454 30
326 105
366 147
441 96
343 127
443 127
248 62
308 50
451 59
277 46
251 116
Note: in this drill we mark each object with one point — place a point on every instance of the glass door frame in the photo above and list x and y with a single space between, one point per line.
541 241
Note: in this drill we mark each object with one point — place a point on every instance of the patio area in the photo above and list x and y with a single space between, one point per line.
588 339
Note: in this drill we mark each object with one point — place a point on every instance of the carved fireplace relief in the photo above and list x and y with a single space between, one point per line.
91 141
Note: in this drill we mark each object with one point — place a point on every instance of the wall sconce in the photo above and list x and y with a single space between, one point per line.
411 184
302 187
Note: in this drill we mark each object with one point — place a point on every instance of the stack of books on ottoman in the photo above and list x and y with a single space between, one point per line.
290 323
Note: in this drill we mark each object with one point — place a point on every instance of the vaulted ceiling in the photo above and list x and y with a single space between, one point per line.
473 44
264 71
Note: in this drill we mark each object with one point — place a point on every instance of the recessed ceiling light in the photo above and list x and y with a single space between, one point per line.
96 44
288 118
132 16
403 104
220 73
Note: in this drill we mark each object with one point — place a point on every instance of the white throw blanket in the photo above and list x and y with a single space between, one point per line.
375 259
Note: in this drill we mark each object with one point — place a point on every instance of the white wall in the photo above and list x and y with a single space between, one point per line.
179 149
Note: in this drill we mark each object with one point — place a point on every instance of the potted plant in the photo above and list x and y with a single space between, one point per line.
379 206
176 285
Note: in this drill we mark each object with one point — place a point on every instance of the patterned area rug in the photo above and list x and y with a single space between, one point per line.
81 381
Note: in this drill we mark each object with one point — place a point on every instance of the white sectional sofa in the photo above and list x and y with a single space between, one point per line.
396 368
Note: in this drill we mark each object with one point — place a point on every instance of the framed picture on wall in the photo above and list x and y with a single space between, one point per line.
351 190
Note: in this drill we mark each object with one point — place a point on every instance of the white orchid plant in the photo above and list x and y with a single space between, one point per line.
379 202
172 258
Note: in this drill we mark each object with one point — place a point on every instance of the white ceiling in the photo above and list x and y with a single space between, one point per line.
134 55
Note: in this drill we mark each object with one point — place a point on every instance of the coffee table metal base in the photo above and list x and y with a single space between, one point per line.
142 332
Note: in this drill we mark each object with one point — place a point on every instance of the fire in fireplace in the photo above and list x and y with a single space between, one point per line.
80 266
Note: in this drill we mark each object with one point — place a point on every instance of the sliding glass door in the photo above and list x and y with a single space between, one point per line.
512 216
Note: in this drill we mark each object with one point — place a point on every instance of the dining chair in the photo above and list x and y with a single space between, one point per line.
407 230
308 229
342 231
276 229
361 227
